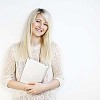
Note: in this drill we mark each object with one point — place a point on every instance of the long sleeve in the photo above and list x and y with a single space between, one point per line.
8 67
57 64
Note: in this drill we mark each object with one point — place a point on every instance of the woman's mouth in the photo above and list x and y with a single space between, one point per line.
39 30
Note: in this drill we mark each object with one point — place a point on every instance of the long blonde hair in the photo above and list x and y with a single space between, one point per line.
24 50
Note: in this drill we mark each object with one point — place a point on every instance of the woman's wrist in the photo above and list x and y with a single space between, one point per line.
21 86
44 86
51 85
24 87
16 85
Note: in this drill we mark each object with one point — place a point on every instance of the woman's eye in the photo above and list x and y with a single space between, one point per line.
46 24
37 21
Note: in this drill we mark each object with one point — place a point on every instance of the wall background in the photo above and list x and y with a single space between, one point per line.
76 30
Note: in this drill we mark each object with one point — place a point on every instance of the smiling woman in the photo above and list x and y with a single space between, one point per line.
35 44
39 26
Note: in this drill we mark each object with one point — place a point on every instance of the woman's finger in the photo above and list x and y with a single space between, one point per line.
32 83
29 92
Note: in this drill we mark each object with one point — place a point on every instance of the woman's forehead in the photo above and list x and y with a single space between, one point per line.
41 17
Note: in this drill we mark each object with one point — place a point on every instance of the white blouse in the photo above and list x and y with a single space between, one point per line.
13 70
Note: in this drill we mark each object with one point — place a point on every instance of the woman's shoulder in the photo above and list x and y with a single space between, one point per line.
13 50
54 45
55 49
15 45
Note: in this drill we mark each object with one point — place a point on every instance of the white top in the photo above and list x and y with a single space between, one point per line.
13 68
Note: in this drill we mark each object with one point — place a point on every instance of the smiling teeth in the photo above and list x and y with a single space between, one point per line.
39 30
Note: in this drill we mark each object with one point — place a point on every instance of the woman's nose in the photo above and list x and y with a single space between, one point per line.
41 25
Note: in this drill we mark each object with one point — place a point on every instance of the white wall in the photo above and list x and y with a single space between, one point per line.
76 30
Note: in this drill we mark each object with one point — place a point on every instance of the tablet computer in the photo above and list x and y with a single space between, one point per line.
33 71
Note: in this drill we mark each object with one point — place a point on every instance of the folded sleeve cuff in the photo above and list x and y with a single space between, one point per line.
5 80
61 81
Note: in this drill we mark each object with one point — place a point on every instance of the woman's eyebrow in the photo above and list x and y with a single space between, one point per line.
46 23
38 19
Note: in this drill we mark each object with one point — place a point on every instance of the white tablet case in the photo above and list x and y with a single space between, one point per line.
33 71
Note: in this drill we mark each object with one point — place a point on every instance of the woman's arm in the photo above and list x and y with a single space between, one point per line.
51 85
42 87
18 85
8 67
9 71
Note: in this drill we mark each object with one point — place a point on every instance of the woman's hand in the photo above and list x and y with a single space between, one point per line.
28 86
36 88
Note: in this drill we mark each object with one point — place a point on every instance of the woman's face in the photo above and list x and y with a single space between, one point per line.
39 26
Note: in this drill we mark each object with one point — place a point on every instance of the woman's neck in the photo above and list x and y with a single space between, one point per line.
35 41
